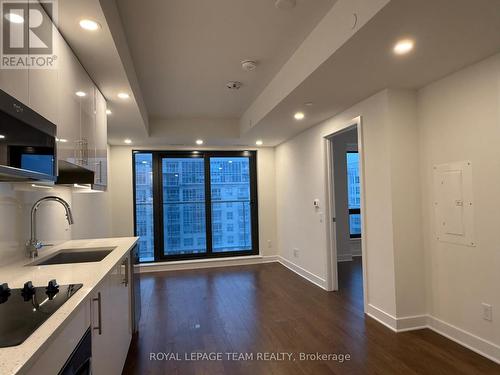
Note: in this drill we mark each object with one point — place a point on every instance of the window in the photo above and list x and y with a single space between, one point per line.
199 204
143 173
353 194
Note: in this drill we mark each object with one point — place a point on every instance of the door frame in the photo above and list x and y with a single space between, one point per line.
332 271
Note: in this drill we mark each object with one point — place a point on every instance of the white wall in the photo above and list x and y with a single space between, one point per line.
300 171
459 119
122 194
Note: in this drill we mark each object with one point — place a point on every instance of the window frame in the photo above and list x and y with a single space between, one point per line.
158 217
352 211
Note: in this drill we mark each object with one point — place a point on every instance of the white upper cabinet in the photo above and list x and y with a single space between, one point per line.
43 81
85 147
15 81
101 140
68 126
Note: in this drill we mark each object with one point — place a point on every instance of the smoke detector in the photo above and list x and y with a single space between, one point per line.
234 85
248 65
285 4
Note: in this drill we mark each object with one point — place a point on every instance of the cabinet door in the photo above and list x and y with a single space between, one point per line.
120 316
86 144
43 80
68 127
101 140
15 81
100 305
110 344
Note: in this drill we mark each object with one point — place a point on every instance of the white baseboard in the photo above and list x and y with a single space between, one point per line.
410 323
382 317
309 276
207 263
470 341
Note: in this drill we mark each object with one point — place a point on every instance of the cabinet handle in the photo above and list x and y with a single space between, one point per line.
125 278
99 313
98 169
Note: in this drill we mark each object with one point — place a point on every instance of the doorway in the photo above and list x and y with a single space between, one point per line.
346 212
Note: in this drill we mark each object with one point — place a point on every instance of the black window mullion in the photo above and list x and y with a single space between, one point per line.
158 208
208 205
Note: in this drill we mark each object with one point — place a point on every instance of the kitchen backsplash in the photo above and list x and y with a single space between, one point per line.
90 211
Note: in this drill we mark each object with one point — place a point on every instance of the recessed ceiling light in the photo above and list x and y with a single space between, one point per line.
123 95
2 136
14 18
81 94
299 116
89 25
259 143
127 141
403 46
108 111
62 140
199 141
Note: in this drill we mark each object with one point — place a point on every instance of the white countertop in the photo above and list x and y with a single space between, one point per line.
17 358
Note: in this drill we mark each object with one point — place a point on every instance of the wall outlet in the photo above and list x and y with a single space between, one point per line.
487 312
269 244
295 253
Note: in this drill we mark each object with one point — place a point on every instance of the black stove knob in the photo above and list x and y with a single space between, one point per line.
4 289
28 290
4 292
52 289
53 286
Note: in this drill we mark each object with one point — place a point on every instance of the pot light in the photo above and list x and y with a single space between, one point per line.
81 94
61 140
403 46
127 141
108 112
123 95
199 142
259 143
14 18
2 136
299 116
89 25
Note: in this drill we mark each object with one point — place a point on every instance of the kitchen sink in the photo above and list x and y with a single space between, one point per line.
79 255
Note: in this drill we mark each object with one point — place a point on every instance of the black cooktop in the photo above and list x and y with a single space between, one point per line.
23 310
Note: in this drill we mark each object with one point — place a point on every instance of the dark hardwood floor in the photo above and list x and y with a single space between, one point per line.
267 308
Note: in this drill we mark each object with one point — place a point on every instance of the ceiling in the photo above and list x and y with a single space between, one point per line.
184 51
449 35
175 56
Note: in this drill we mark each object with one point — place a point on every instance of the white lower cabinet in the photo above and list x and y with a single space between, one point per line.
110 313
52 360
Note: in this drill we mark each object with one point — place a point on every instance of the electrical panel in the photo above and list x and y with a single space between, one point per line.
453 203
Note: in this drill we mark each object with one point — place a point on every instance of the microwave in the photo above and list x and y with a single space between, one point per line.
27 143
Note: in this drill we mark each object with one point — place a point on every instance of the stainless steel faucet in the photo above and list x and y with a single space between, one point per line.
33 245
